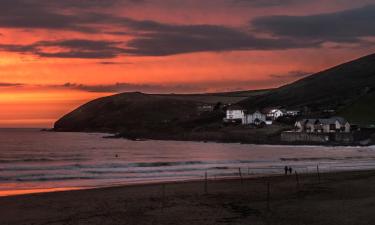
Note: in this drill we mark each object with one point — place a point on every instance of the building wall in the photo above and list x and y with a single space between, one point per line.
346 138
298 126
304 137
290 136
278 114
250 118
347 128
235 114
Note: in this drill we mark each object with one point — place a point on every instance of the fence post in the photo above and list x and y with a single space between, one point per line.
268 196
163 197
318 172
205 183
297 179
240 174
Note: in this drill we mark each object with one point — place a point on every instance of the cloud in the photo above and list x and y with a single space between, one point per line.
170 40
291 74
114 63
56 14
75 48
3 84
270 3
159 39
343 26
201 87
127 87
152 38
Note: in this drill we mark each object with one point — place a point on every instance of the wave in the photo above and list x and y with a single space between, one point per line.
129 165
40 160
327 158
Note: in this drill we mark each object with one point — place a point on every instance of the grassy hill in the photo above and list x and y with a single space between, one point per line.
349 88
362 111
148 112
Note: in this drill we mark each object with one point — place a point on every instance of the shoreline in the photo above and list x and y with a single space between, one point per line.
25 192
308 200
273 143
217 137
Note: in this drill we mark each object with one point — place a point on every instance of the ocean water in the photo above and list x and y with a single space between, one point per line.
34 161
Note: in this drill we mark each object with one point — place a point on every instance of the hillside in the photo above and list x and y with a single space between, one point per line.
348 88
362 111
139 111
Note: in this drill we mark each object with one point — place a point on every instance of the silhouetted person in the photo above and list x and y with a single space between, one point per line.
290 170
286 170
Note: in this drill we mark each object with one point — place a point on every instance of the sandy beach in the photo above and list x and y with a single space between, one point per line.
336 198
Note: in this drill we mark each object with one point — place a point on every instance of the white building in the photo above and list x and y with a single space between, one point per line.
235 113
256 118
273 114
331 125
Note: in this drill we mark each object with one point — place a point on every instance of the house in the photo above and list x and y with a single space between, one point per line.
330 125
235 113
273 114
256 118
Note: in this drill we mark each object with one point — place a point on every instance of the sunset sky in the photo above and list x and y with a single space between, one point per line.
56 55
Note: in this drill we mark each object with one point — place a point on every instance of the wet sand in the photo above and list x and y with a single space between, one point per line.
339 198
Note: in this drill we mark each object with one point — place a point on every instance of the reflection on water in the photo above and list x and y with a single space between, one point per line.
33 161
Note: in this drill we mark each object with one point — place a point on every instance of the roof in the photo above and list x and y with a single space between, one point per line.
324 121
235 107
254 111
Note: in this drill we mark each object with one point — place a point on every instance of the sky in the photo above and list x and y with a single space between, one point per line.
56 55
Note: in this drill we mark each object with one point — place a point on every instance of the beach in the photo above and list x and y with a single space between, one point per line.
330 198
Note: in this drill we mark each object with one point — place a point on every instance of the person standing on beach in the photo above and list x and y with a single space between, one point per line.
290 170
286 170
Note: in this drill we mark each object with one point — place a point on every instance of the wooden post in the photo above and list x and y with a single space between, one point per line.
268 196
205 183
318 172
240 174
297 179
163 197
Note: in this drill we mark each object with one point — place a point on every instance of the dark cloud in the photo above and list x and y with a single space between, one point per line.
270 3
201 87
152 38
114 63
76 48
291 74
163 39
55 14
344 26
158 39
2 84
127 87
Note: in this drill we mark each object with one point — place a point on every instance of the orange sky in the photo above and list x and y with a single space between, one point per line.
57 55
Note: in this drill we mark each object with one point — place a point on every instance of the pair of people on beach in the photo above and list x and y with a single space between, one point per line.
288 169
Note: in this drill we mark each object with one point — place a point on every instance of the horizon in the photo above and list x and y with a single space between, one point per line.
55 56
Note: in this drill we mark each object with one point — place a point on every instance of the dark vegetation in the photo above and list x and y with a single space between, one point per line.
349 89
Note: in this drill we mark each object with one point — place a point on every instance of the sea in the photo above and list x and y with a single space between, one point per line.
33 161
